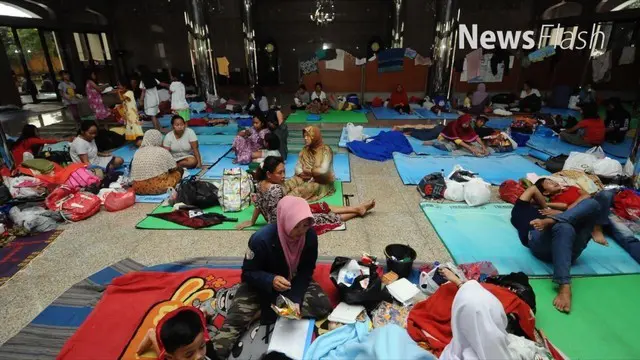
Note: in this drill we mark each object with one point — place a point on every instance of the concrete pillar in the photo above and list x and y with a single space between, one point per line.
446 30
251 56
9 94
201 57
397 37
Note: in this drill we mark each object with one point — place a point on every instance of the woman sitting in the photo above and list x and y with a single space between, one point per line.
590 131
280 260
399 101
183 144
250 140
459 135
153 168
319 101
479 100
271 190
84 149
530 98
301 98
314 176
258 101
28 144
617 123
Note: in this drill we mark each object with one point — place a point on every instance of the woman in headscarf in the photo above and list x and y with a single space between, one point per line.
314 177
479 99
153 168
280 260
459 135
400 101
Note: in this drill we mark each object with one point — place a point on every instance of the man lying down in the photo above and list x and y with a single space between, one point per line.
558 231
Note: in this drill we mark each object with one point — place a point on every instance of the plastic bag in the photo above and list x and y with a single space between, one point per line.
607 167
510 191
626 204
286 308
116 201
197 193
627 170
477 192
430 281
454 191
580 161
355 133
596 151
366 290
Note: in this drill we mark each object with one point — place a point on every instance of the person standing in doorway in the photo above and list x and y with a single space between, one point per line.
67 91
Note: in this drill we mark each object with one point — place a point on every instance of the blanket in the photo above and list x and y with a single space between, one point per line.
382 146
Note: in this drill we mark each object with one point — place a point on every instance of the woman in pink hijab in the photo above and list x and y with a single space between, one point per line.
280 260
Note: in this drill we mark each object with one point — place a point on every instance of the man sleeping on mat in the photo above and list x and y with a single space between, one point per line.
558 231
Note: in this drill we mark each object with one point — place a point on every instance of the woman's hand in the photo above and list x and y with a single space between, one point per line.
281 284
242 133
244 225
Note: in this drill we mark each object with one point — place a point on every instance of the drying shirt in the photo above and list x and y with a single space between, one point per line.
521 216
180 148
568 196
178 96
594 130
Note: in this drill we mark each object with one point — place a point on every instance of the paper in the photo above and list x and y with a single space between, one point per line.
291 337
345 313
361 61
403 291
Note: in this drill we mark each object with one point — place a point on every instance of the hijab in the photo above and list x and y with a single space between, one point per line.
479 327
151 159
399 97
479 95
316 154
291 211
456 131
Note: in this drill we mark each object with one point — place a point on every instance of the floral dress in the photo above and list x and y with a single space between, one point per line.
95 103
246 146
267 203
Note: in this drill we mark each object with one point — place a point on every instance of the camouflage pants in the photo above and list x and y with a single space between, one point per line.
246 308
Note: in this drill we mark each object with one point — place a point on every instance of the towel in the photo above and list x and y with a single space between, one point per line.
337 63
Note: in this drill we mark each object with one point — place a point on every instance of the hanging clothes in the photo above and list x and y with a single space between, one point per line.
223 66
422 60
474 60
337 63
601 66
410 53
309 66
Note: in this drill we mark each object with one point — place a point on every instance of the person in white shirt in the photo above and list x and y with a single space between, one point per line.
179 104
318 94
149 96
257 100
527 90
182 142
319 101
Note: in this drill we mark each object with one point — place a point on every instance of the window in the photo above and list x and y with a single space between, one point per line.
107 51
81 46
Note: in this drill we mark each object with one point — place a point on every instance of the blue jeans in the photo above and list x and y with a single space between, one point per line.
605 199
625 238
562 243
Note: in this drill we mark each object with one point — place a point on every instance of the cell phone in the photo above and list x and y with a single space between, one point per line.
438 278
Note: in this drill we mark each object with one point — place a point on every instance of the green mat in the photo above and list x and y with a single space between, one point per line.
335 117
603 323
153 223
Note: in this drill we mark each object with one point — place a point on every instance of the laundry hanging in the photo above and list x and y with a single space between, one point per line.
223 66
422 60
410 53
474 60
337 63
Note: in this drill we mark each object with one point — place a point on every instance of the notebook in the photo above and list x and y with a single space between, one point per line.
345 313
403 291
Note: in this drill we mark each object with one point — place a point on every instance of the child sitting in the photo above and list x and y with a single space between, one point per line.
467 101
272 148
180 335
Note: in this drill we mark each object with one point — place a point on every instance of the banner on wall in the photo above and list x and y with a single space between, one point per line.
486 75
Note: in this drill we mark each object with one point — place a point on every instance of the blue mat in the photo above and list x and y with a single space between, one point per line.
562 112
151 199
165 122
229 116
500 123
428 114
554 147
212 153
231 129
219 139
493 169
340 167
384 113
126 152
485 233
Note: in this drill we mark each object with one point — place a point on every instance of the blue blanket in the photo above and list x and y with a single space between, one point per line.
382 146
391 60
493 169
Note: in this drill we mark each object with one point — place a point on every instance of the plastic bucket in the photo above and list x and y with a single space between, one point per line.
400 259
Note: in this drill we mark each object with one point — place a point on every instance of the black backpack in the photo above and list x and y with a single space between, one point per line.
60 157
555 163
197 193
518 283
432 186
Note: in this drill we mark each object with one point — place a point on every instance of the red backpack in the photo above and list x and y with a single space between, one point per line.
73 204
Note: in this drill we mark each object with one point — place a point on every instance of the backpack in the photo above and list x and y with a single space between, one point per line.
83 178
236 188
74 205
197 193
556 163
432 186
61 157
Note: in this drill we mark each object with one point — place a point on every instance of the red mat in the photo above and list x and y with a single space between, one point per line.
135 302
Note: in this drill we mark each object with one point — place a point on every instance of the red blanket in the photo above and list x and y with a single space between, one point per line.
135 302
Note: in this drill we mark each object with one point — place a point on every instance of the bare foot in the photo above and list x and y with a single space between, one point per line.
562 302
541 224
598 236
363 209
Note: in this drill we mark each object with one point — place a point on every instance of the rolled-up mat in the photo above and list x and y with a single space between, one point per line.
603 320
492 169
485 233
153 223
539 155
